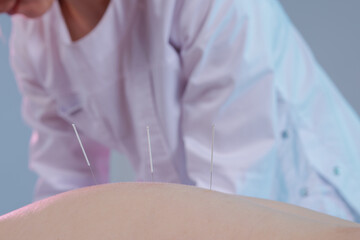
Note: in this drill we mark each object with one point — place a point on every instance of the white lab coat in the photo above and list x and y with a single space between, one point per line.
283 131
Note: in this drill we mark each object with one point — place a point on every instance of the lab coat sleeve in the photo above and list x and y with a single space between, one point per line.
55 154
224 49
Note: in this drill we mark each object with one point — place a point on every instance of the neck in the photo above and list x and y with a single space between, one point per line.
82 16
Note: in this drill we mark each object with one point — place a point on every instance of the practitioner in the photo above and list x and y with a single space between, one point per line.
283 131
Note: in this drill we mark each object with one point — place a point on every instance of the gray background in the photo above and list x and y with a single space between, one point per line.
329 26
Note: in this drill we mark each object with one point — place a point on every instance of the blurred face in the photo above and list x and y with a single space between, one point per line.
29 8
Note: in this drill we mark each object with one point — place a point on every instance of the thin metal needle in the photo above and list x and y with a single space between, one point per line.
150 154
212 154
83 150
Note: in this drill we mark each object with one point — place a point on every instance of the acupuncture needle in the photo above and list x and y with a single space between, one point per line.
83 150
212 154
150 154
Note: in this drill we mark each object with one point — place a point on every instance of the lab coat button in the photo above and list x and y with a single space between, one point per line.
304 192
336 171
284 134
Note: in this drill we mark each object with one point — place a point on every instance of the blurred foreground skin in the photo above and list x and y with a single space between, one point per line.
167 211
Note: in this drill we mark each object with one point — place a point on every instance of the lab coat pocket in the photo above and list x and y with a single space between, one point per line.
77 109
69 105
72 108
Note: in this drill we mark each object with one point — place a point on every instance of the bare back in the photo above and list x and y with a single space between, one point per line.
167 211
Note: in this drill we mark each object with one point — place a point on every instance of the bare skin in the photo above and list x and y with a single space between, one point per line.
82 18
167 211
